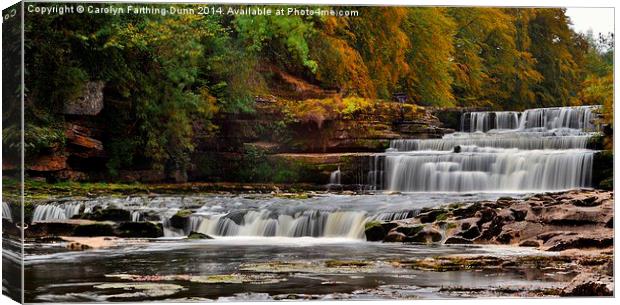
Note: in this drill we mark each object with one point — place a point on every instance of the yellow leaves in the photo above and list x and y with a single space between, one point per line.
320 110
598 90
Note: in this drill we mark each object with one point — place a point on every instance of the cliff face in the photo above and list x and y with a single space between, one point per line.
282 140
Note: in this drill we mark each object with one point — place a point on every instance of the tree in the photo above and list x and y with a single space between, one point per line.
382 43
430 32
551 47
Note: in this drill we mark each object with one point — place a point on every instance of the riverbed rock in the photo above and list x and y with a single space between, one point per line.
197 235
109 214
140 229
576 219
590 284
530 243
96 229
374 231
180 220
457 240
426 235
582 240
75 246
394 236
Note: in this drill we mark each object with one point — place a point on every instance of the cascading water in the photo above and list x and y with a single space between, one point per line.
484 121
6 212
334 178
538 149
47 212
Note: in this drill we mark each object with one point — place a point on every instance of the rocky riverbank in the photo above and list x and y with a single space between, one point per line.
576 226
575 219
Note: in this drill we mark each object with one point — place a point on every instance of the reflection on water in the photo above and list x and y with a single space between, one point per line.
234 268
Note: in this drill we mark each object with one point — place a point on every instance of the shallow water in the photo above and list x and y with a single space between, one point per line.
236 268
248 266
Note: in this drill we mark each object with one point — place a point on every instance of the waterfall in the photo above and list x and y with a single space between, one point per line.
48 212
576 117
136 216
334 177
501 170
309 223
485 121
6 212
535 150
526 142
579 117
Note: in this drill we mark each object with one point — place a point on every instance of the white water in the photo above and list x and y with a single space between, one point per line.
6 212
577 117
47 212
537 150
334 177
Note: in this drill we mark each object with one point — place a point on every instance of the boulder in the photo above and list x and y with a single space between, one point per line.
180 220
374 231
89 103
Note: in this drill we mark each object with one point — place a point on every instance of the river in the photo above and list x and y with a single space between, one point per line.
275 246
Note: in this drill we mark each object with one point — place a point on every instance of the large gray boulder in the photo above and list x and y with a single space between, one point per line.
89 103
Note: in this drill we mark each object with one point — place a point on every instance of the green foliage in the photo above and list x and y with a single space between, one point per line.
37 139
552 46
277 34
167 77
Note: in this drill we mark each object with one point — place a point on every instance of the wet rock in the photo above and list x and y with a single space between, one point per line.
180 220
471 233
388 226
485 215
491 229
530 243
410 230
140 229
75 246
394 236
196 235
518 215
110 214
433 215
585 201
467 211
42 229
579 241
589 284
426 235
374 231
96 229
237 216
457 240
